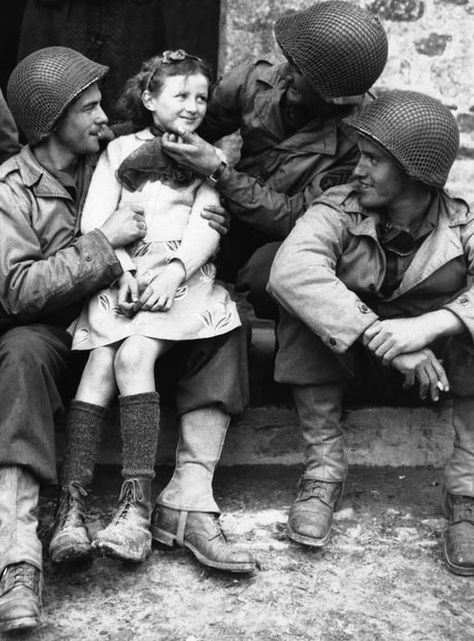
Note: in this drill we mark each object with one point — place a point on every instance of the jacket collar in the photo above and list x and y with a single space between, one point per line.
273 75
144 134
440 246
319 136
453 211
316 137
38 178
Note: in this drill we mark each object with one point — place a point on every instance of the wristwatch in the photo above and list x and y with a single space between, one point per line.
217 173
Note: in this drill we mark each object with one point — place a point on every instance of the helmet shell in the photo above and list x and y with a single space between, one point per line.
338 46
417 130
44 84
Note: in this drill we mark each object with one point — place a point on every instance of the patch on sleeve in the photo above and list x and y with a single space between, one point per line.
334 178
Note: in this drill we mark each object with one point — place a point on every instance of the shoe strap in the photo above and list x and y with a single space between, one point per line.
182 519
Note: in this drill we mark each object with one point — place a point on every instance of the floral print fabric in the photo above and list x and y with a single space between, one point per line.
202 308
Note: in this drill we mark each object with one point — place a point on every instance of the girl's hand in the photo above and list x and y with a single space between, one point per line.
128 294
159 294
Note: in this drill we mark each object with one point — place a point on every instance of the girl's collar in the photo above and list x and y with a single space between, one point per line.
156 131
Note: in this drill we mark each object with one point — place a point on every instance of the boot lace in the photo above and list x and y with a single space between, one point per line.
217 530
313 489
130 494
71 505
463 509
20 575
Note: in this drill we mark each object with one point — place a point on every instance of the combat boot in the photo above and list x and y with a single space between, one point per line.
459 544
70 541
128 536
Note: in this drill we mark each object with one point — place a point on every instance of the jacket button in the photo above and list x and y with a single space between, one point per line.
372 288
363 308
464 300
88 257
332 341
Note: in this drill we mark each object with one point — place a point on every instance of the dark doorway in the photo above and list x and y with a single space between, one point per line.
118 33
10 23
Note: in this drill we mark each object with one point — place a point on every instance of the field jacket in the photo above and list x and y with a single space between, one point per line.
278 174
329 271
46 268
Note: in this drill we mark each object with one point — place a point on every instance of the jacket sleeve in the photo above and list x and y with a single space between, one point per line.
33 285
463 304
274 213
103 198
303 280
9 144
200 242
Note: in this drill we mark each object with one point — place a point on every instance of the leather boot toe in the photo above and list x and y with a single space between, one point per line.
20 597
202 534
459 544
310 517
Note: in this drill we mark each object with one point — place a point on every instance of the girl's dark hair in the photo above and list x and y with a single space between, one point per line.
151 77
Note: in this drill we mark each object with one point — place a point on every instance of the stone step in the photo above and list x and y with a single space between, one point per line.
374 436
268 432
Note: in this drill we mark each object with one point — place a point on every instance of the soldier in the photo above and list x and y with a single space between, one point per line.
46 271
375 287
289 116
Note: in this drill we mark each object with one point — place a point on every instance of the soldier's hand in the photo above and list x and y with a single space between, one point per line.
124 226
217 217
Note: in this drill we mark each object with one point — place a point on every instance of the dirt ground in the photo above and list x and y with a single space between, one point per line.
380 578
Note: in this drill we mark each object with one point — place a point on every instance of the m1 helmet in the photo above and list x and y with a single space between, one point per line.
416 129
338 46
44 84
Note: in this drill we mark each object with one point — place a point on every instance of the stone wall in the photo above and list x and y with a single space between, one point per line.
431 50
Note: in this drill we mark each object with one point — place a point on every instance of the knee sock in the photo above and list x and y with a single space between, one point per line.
84 430
139 426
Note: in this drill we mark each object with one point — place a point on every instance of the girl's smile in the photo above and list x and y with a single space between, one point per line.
180 104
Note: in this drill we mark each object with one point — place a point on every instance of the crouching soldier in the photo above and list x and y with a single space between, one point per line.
375 288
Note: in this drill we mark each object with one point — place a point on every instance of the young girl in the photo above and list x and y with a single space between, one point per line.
167 293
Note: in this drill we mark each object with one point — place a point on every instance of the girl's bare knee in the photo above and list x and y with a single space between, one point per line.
98 382
133 355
